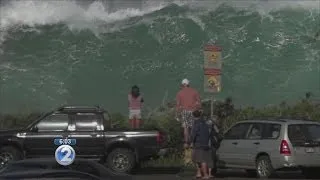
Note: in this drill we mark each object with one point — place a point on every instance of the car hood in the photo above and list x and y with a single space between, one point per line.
10 131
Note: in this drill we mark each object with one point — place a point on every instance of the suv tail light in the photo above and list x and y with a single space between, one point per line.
284 148
160 138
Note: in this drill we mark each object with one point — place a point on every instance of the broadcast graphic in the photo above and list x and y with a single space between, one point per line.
65 154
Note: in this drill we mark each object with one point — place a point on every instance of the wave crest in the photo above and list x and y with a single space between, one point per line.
98 16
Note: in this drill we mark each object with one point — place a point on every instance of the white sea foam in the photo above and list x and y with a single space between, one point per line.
35 12
32 13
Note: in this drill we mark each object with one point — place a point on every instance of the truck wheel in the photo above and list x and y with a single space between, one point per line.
264 167
7 154
121 161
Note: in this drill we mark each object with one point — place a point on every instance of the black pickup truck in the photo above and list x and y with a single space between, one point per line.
119 150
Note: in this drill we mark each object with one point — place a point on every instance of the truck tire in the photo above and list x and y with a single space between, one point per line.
121 161
7 154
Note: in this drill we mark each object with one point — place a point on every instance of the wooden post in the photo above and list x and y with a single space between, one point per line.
211 107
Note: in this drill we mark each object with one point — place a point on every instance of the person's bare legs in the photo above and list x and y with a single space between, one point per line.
204 170
210 173
198 175
131 123
139 122
186 135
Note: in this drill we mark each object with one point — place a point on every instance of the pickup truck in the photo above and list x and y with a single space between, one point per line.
119 150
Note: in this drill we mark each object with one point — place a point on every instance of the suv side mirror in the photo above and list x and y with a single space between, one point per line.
34 129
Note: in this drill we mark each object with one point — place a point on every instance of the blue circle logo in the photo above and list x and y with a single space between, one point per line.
65 155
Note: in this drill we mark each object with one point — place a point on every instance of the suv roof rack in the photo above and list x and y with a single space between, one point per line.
296 119
265 118
69 108
280 118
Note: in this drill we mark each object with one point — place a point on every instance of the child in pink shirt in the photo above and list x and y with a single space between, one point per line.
135 105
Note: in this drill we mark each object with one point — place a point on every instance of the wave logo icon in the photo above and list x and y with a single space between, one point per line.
65 155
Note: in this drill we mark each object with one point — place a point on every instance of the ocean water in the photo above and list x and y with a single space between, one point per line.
92 52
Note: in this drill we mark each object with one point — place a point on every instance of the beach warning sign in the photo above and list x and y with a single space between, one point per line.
212 68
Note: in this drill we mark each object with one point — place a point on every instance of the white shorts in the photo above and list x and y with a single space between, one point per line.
134 113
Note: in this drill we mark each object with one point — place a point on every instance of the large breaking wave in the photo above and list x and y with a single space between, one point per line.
55 52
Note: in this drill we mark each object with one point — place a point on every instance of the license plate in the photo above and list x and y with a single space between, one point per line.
309 150
66 141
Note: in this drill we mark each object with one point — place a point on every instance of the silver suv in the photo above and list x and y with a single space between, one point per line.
263 146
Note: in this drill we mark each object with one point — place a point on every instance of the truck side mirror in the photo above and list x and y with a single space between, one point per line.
34 129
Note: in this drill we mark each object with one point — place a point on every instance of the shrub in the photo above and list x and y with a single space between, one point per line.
163 119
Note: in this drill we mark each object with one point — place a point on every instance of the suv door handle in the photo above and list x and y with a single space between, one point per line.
235 143
256 143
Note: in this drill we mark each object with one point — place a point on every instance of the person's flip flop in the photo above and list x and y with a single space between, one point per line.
197 177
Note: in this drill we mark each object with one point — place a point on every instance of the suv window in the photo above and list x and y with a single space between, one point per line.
271 131
86 122
55 122
255 131
300 133
238 131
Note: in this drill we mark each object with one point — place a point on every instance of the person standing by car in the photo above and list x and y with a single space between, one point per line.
135 100
199 140
187 101
214 142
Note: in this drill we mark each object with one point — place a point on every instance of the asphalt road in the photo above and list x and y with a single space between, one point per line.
158 174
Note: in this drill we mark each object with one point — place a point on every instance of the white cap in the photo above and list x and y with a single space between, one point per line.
185 82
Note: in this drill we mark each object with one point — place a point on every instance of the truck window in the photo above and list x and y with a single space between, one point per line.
107 120
87 122
55 122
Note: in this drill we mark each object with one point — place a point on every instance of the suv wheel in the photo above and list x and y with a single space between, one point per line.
264 167
311 173
7 154
121 161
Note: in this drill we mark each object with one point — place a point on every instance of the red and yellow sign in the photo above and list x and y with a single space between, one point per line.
212 68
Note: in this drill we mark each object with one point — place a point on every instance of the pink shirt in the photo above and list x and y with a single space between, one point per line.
135 103
188 99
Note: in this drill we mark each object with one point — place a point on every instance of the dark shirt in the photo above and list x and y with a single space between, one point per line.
215 136
200 134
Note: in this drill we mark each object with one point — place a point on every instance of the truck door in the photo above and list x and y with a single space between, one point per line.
88 132
39 140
